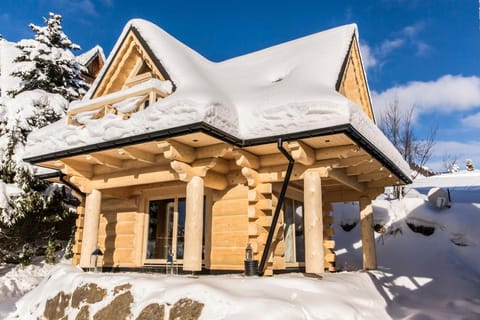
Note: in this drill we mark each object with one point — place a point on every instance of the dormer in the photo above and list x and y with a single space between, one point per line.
131 81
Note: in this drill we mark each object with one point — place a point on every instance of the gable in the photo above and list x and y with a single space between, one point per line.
352 81
132 64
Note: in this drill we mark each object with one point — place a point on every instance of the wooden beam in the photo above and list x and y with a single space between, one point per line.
340 176
246 159
252 176
174 150
301 152
137 154
393 181
368 238
221 165
375 176
336 152
192 260
364 168
314 251
105 160
90 227
213 151
354 161
271 160
216 181
133 177
349 195
75 168
186 172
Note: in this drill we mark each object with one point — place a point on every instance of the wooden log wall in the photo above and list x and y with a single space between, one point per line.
328 233
117 232
77 246
229 228
261 206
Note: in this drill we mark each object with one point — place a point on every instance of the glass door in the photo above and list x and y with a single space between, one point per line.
166 229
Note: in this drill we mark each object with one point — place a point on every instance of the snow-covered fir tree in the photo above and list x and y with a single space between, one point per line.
31 210
47 62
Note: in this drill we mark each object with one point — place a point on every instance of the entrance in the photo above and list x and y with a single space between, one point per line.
166 229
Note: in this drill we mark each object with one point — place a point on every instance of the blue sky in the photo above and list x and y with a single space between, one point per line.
422 52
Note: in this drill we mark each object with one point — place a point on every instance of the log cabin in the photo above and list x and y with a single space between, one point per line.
180 159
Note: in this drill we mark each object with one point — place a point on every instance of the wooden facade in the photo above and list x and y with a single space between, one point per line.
198 198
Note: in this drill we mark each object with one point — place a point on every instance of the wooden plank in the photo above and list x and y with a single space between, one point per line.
230 207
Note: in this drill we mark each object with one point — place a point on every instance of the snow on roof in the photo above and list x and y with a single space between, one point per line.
468 179
280 90
86 57
8 52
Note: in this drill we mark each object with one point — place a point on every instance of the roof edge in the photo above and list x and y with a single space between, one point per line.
203 127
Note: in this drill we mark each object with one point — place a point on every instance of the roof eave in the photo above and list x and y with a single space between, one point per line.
206 128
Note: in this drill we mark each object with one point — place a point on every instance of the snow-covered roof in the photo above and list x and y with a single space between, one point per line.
87 56
285 89
467 179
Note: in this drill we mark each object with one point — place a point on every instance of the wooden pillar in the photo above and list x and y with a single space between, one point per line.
192 259
368 237
313 223
90 227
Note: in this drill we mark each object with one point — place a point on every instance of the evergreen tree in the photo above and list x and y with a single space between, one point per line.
47 62
32 212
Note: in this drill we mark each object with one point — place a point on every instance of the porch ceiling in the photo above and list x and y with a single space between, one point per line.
345 167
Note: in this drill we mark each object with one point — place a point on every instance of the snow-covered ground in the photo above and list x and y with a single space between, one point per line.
434 276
